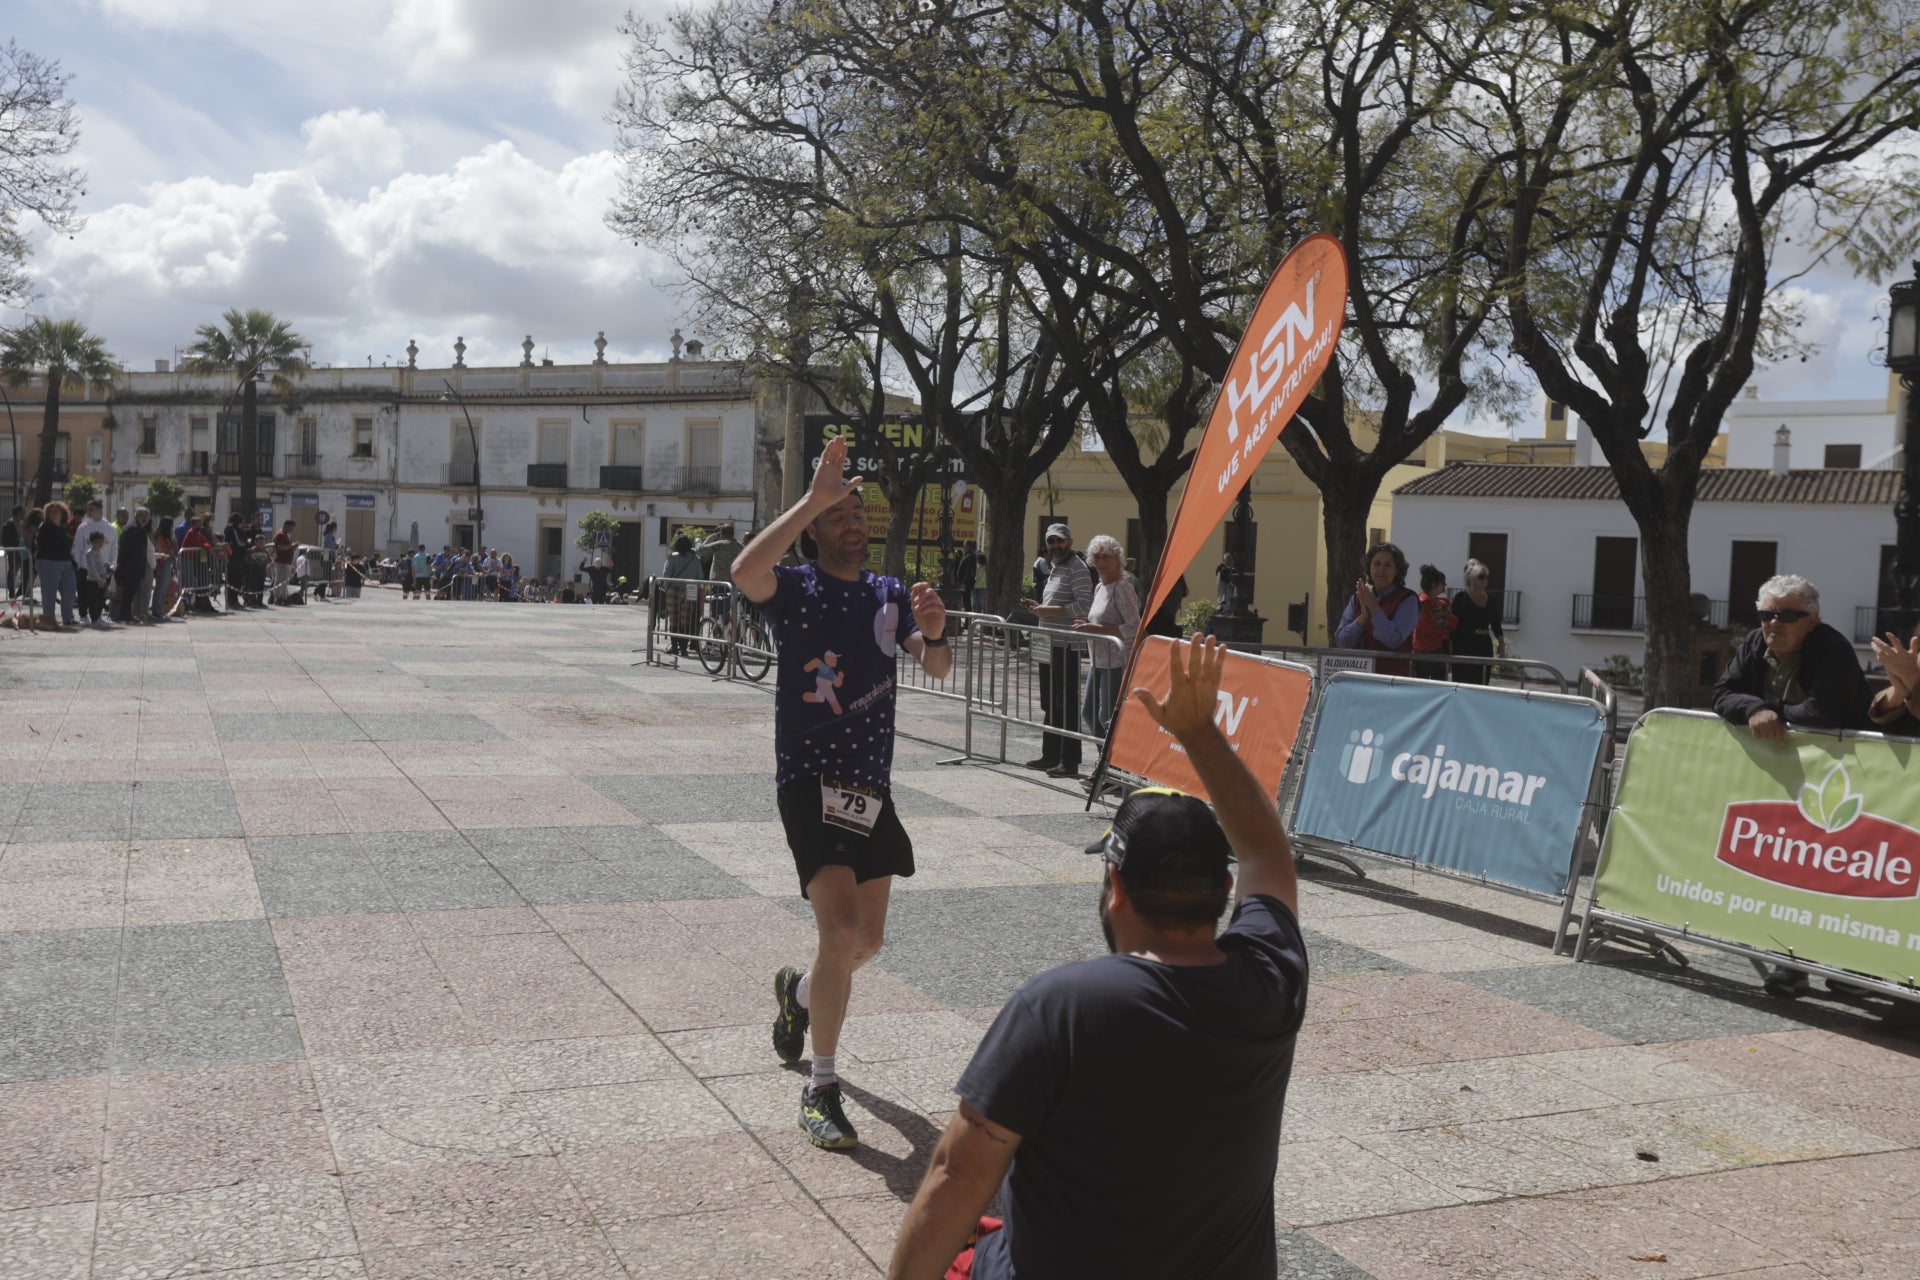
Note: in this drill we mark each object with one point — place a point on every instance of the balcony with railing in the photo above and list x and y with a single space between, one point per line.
463 472
1509 607
302 466
622 479
546 475
190 462
229 464
700 479
1610 613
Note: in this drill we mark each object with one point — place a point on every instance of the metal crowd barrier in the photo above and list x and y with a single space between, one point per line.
201 578
13 602
1326 661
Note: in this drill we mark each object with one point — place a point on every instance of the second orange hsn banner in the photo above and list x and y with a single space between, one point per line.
1260 709
1285 348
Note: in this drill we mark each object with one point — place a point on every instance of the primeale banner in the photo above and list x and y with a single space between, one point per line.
1811 846
1482 781
1261 703
1286 346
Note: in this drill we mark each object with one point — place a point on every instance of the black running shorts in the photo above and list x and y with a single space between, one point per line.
817 843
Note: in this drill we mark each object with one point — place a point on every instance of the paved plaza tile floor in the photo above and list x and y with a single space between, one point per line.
380 940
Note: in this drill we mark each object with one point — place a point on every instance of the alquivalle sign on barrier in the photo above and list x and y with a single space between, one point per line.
1484 782
1808 848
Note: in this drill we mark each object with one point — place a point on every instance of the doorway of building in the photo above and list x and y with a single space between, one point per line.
627 552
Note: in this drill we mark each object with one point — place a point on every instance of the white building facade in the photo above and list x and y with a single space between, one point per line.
1827 434
509 458
1560 538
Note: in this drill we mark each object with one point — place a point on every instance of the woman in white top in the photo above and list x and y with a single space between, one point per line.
1115 612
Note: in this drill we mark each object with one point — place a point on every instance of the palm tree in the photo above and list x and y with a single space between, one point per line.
71 359
251 344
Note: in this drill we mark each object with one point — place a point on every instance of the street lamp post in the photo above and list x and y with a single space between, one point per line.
1903 357
451 396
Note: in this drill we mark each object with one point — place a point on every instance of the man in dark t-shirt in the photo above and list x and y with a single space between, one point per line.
837 627
1056 1108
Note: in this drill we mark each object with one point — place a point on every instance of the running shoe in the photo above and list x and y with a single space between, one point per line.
825 1123
790 1024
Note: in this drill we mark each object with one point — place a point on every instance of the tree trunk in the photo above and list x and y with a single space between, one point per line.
901 510
49 435
1152 502
1668 583
250 452
1345 502
1006 568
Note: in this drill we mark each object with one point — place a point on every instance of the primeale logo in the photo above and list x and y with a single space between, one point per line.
1801 845
1366 751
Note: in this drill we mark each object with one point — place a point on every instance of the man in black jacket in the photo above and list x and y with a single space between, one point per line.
1793 669
130 566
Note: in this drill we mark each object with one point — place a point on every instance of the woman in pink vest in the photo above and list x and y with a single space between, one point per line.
1383 611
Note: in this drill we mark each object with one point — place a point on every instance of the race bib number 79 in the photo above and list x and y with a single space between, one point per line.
855 808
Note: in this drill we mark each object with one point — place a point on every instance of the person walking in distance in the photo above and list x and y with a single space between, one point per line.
838 626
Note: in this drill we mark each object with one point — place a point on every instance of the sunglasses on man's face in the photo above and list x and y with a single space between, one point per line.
1788 616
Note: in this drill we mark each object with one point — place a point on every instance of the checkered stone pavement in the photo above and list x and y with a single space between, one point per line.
385 939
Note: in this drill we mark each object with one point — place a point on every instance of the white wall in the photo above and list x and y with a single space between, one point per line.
1550 558
1813 424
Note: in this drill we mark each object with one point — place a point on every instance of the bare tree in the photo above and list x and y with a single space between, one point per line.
38 126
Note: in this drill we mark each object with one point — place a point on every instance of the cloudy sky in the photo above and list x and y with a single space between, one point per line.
379 170
370 170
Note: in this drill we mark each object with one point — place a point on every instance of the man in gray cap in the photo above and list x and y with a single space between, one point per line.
1068 599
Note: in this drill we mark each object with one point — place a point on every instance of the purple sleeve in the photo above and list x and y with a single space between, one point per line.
1347 634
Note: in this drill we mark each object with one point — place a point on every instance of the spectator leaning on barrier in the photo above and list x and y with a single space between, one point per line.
1132 1103
717 553
1066 600
1793 669
1382 613
1116 613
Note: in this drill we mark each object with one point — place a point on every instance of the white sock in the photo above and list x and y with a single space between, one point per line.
823 1072
803 988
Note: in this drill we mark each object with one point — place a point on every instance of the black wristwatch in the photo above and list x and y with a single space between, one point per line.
933 643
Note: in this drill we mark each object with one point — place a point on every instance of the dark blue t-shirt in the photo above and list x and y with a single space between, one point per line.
1148 1099
833 704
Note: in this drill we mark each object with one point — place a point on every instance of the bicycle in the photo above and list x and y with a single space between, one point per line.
748 639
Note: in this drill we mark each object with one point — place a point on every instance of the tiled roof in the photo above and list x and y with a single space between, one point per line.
1875 488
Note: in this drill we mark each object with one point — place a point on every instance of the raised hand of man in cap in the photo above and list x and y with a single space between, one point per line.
1247 814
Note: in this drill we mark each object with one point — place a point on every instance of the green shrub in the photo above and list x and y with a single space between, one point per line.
77 492
1195 615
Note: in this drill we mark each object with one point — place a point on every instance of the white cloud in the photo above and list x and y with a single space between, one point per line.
353 145
493 247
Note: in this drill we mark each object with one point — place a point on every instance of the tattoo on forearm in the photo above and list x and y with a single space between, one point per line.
991 1135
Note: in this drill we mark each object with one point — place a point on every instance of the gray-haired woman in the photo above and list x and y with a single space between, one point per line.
1477 635
1116 613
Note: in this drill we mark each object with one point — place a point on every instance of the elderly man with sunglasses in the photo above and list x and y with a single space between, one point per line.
1793 669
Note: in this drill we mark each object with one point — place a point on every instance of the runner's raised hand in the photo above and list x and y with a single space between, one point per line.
831 484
